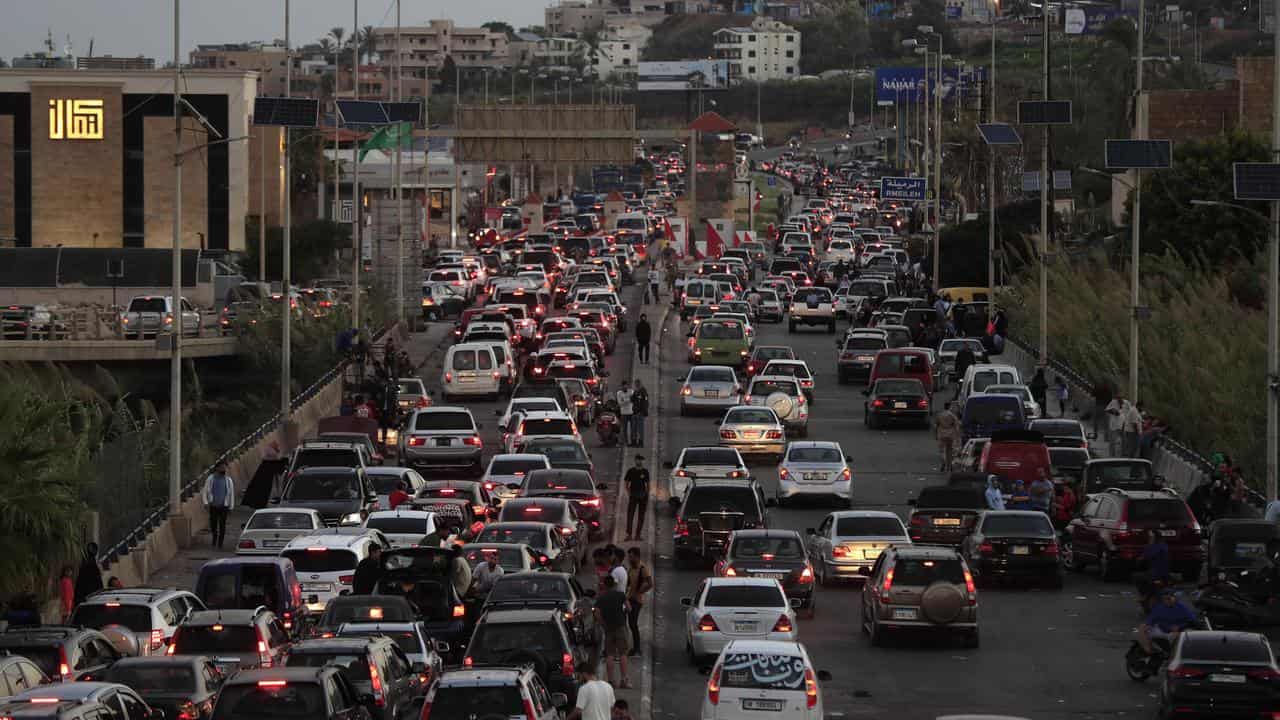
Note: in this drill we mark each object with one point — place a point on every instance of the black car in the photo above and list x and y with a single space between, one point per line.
454 515
63 710
560 591
542 537
482 504
895 400
557 511
1215 674
1013 544
184 687
537 637
63 653
303 693
339 494
710 511
576 486
1060 432
857 355
362 608
375 666
944 515
562 453
775 554
423 576
1068 462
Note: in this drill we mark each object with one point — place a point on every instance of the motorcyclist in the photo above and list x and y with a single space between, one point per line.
1167 619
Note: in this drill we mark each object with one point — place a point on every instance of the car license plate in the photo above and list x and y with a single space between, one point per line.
815 477
770 575
443 442
1169 533
904 613
946 521
751 434
744 627
765 705
1223 678
316 587
711 393
1020 550
899 406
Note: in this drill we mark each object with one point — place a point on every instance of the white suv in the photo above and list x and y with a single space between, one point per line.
326 561
151 614
812 306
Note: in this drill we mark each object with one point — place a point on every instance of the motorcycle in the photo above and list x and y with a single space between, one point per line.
1140 666
609 424
1249 601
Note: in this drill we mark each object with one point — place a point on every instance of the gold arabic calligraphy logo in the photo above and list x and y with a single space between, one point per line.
75 119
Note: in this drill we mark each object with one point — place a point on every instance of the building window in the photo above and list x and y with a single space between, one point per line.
751 53
792 53
626 61
791 38
790 70
751 38
751 69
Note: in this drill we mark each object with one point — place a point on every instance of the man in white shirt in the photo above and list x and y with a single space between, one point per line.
219 496
1132 426
1115 420
595 698
485 575
626 408
619 569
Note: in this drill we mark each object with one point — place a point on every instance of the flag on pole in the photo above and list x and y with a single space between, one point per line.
388 137
715 244
759 197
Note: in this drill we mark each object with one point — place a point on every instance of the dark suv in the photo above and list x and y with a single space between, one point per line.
340 494
710 512
944 514
561 591
296 693
63 653
536 637
234 638
492 692
1112 529
375 665
574 485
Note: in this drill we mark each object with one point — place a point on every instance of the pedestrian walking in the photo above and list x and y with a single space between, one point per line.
655 283
89 575
1039 388
1101 399
1239 493
595 698
219 497
639 583
1115 422
637 482
946 429
1062 394
643 335
67 592
640 412
460 572
611 613
368 572
964 358
1131 427
626 409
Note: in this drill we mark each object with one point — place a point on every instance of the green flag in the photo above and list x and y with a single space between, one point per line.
388 137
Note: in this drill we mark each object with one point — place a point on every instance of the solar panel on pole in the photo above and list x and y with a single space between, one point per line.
1256 181
1044 112
286 112
364 113
410 112
999 134
1138 154
1061 179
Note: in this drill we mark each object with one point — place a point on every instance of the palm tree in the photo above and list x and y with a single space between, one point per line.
366 44
337 34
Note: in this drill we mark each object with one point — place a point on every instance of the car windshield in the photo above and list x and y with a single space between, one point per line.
320 560
899 387
774 353
762 671
326 457
368 608
1018 525
271 701
547 426
146 679
470 701
720 330
786 368
1020 390
1058 428
767 548
866 287
1170 511
557 481
752 417
354 665
900 363
499 642
710 456
148 305
280 521
396 525
99 615
532 586
1122 472
717 375
1210 648
384 483
322 487
411 387
445 420
988 412
721 500
917 572
408 641
764 388
812 296
534 537
213 639
744 596
559 452
864 343
869 526
510 559
814 455
515 467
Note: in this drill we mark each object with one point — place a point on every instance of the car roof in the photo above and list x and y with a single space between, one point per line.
522 615
766 533
479 677
230 616
326 538
518 525
133 594
814 444
333 643
766 647
68 690
741 581
288 674
931 552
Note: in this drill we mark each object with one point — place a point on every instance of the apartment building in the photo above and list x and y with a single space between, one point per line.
763 51
266 59
573 17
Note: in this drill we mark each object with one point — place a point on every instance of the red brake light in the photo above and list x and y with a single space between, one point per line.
346 579
566 664
376 682
474 440
810 688
1187 672
707 624
784 473
970 587
888 585
806 575
729 572
157 639
681 528
245 545
713 686
1051 549
459 611
783 624
840 551
417 441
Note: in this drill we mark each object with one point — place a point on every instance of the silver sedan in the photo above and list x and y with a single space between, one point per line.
753 430
846 544
709 387
815 467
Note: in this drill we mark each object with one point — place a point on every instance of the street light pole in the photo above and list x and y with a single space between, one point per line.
1136 233
1273 284
1044 195
991 176
175 333
357 210
285 278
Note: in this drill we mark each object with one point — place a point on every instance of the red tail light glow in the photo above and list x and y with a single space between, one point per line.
888 585
806 575
783 625
713 686
474 440
459 611
708 624
969 587
810 688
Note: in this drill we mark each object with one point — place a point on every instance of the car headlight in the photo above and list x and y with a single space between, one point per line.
354 518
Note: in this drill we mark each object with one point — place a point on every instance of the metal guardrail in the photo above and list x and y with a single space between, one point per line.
81 324
156 517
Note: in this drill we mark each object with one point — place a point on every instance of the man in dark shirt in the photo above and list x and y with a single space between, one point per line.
368 572
644 333
637 482
611 613
964 358
1167 619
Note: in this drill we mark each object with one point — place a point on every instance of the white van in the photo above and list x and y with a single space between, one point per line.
696 293
633 221
981 375
470 369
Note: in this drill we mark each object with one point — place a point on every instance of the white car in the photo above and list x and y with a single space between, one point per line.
705 463
846 544
506 472
470 369
753 430
769 306
404 527
383 478
713 387
269 530
536 425
840 249
979 376
747 682
326 562
797 369
784 396
1032 408
736 608
815 467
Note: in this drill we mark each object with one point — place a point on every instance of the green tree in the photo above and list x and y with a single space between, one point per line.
835 42
499 26
1202 171
680 37
312 251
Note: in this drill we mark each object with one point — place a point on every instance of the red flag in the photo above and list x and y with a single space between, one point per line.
759 197
715 245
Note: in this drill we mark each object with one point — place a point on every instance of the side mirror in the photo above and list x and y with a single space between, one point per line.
479 426
810 531
686 601
559 700
602 486
796 602
848 458
824 676
155 714
442 647
911 502
682 378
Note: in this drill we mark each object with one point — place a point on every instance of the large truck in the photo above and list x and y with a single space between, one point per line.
607 178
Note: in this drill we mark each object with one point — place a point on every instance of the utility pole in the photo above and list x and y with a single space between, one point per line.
175 331
991 179
400 177
286 375
1044 195
357 211
1273 281
1136 231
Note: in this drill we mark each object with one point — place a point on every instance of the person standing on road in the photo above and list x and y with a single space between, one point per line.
964 358
460 572
639 582
625 409
643 335
637 482
1041 493
1115 413
611 612
89 575
1039 388
67 592
1132 426
219 497
618 567
640 406
485 575
368 572
655 282
1101 399
994 495
595 698
946 428
1062 393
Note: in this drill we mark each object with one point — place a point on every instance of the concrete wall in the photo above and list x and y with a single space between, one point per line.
1182 115
266 162
158 177
1254 74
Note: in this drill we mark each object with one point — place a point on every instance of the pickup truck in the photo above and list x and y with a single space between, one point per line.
148 315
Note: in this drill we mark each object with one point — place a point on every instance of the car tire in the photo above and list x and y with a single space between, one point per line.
972 639
1107 567
1070 560
878 634
780 500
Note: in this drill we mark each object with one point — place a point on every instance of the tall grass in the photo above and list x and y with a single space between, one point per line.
1202 357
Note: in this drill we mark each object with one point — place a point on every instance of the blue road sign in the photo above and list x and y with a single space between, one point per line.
903 188
772 181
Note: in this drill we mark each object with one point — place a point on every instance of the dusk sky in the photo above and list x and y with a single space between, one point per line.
145 27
